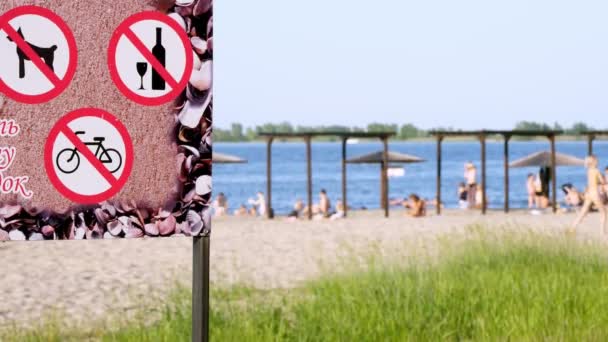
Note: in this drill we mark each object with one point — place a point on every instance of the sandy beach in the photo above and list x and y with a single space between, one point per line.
84 280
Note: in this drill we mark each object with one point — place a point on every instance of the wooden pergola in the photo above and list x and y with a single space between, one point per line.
307 137
506 135
591 136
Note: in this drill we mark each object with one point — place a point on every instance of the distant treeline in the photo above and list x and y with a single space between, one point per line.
404 132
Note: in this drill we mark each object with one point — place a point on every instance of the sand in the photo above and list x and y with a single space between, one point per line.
84 280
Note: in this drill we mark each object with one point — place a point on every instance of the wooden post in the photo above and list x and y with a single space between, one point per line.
269 211
385 175
484 201
553 174
590 138
344 201
438 194
200 288
309 174
507 137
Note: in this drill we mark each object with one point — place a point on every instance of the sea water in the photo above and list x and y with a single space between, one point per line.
241 181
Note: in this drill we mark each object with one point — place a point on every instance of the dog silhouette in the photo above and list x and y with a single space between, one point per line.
47 54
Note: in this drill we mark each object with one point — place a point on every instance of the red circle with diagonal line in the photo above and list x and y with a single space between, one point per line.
125 30
30 54
65 134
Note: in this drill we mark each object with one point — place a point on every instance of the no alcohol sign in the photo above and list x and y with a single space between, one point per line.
38 52
88 155
150 58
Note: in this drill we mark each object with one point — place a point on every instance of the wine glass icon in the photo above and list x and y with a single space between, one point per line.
142 68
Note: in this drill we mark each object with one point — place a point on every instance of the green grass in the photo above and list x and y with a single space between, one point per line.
495 288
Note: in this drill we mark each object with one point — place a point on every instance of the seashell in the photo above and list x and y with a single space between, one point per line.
48 230
134 233
195 222
199 45
95 233
179 19
80 233
151 229
210 27
107 235
202 7
167 226
203 185
9 211
110 209
191 149
201 79
4 236
163 214
102 216
206 215
16 235
196 60
184 10
114 227
210 44
184 228
36 237
190 116
183 3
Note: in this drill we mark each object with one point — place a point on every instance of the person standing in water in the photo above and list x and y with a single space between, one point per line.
595 180
470 177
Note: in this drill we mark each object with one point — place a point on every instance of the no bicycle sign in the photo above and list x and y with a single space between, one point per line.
88 155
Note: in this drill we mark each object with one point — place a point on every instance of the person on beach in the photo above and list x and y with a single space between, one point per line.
220 205
595 180
298 208
573 198
470 178
259 204
339 211
416 206
531 188
462 196
241 211
542 187
324 204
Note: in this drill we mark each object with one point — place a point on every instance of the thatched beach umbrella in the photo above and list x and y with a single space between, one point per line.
378 158
543 159
221 158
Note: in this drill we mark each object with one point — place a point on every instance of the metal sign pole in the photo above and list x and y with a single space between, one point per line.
200 289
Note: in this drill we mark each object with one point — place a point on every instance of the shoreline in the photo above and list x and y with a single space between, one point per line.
559 138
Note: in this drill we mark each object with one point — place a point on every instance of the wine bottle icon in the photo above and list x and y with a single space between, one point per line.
158 83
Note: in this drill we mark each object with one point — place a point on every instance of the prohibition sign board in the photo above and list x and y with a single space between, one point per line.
137 67
88 155
39 54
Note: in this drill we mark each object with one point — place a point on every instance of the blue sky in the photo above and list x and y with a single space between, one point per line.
466 64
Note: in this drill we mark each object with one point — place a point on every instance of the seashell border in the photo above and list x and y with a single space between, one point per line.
188 211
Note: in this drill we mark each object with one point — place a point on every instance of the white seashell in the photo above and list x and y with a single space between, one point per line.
115 227
183 3
8 211
134 233
16 235
201 79
191 114
80 233
206 215
107 235
203 185
195 222
179 19
197 61
151 229
199 45
193 150
36 237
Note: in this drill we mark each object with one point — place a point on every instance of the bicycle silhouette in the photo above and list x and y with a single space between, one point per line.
68 160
